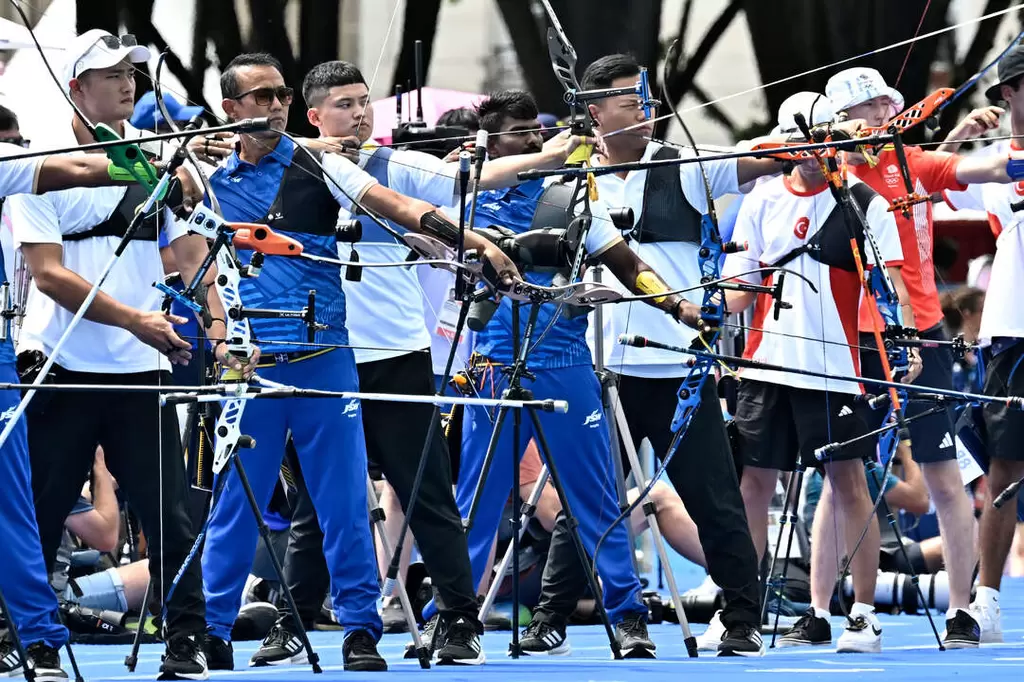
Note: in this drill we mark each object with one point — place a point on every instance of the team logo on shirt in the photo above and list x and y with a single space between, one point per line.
351 408
1018 187
593 419
801 227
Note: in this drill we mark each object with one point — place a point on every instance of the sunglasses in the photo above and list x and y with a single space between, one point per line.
265 96
113 42
18 140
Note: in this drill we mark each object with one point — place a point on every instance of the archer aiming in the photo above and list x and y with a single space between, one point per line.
794 220
24 581
271 179
1002 339
861 93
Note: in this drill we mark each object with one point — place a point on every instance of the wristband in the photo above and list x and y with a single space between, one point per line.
1015 168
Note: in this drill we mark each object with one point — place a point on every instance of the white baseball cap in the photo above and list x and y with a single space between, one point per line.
858 85
815 107
98 49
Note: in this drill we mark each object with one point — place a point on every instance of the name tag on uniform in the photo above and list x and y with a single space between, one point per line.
448 317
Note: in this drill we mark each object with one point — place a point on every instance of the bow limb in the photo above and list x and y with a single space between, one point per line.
158 92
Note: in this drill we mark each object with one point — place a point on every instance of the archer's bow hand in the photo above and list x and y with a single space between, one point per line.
561 146
845 130
192 193
689 314
914 366
230 361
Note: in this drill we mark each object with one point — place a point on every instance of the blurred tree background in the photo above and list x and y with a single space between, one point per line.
788 36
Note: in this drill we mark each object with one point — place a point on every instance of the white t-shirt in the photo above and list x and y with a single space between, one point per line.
16 177
93 347
1002 314
675 262
385 308
774 220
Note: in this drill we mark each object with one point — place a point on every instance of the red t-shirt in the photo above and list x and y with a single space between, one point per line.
930 172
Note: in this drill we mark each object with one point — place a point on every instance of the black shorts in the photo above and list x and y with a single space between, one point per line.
777 422
1004 425
931 437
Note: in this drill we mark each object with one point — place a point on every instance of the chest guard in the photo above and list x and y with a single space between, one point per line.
116 225
304 202
830 245
667 215
377 168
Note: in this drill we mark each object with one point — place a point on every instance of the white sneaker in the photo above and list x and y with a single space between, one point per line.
990 619
713 636
863 635
707 588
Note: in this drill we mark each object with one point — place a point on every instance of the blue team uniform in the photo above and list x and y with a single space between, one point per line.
579 440
24 579
285 191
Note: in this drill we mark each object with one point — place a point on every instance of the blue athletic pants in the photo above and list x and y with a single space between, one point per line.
328 437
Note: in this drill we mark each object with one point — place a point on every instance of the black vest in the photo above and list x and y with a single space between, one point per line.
667 215
304 202
116 225
830 245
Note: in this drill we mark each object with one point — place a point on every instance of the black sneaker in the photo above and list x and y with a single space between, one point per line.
220 655
10 661
429 635
633 639
360 653
742 640
461 644
254 622
281 647
962 631
45 661
808 631
541 637
184 659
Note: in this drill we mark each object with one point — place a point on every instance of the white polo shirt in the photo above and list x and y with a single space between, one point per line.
45 219
385 308
675 262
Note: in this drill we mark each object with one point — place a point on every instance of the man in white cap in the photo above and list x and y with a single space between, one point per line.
67 238
861 93
794 220
1001 336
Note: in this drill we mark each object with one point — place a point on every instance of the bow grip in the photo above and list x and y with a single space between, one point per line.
128 158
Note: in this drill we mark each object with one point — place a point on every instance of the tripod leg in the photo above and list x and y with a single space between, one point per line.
527 511
314 659
652 521
12 629
609 399
793 503
486 468
377 517
133 658
894 524
573 524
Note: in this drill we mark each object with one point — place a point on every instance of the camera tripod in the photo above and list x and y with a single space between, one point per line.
515 391
616 419
791 501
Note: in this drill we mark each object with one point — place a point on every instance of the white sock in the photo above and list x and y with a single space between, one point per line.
951 613
861 609
987 596
821 613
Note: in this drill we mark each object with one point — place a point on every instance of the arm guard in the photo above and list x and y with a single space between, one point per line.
436 225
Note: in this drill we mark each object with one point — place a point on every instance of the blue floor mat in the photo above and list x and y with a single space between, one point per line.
910 653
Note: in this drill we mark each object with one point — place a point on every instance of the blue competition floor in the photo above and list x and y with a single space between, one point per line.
910 653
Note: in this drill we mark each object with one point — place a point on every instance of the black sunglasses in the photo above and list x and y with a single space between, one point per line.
17 140
265 96
113 42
